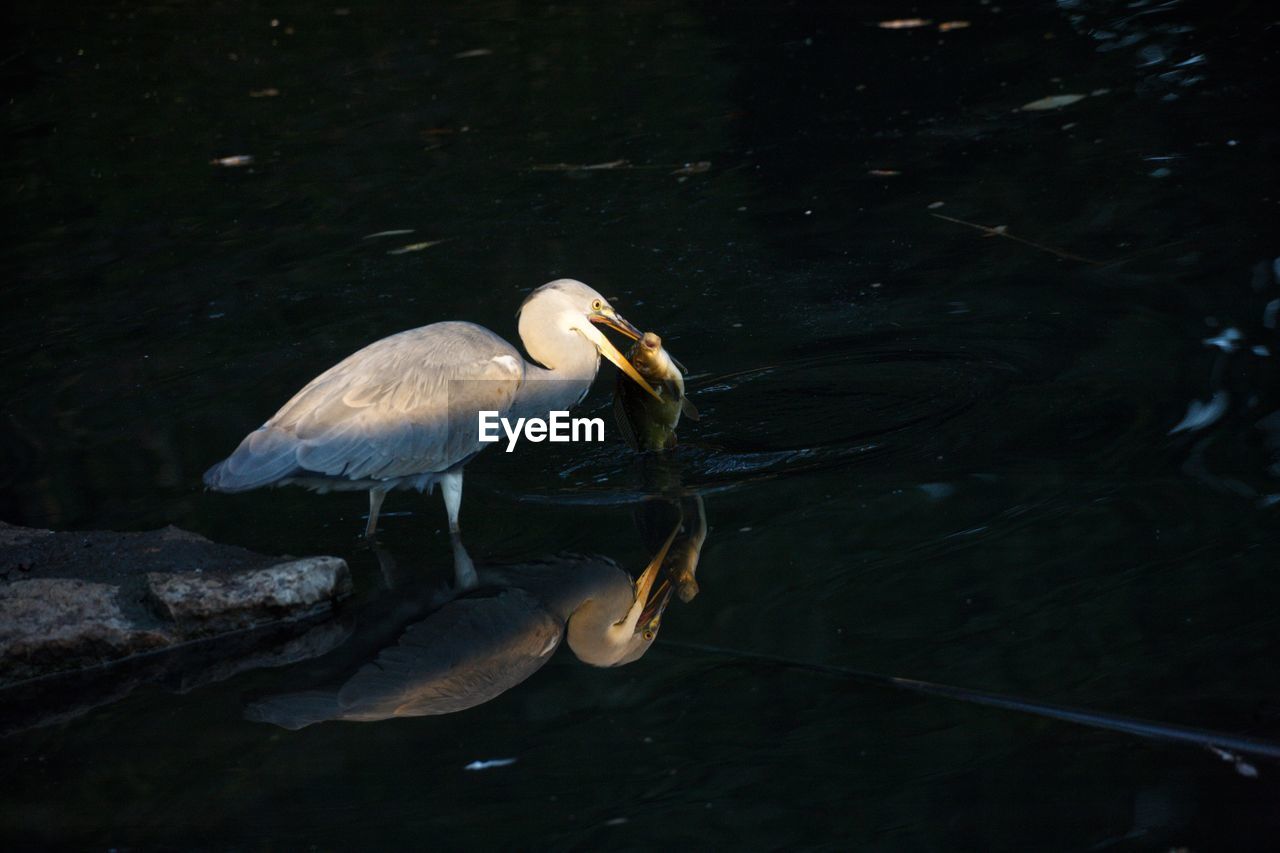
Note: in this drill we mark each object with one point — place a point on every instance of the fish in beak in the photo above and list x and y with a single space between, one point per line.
608 317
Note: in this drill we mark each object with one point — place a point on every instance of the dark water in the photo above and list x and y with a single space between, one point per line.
925 451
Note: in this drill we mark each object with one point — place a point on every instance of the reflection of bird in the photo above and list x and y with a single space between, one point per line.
403 412
481 644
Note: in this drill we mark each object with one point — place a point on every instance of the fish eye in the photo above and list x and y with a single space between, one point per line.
597 304
648 635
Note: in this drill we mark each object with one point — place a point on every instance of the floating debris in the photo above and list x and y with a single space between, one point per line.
415 247
948 26
582 167
1200 415
1228 341
490 764
234 161
395 232
1053 102
1241 766
269 92
883 173
904 23
469 54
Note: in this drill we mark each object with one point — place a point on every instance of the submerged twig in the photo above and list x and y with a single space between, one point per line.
692 168
1001 232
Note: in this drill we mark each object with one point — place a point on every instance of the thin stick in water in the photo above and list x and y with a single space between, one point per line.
1001 232
1214 741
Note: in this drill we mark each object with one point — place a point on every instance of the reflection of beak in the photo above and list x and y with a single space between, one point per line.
649 590
610 352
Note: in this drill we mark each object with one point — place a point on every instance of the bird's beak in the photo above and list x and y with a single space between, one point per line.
609 317
654 593
609 351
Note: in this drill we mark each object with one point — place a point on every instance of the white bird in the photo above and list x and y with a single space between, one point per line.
403 412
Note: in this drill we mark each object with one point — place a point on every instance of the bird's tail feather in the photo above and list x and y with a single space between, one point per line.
266 456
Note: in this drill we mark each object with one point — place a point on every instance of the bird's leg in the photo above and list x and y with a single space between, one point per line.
464 571
451 489
375 503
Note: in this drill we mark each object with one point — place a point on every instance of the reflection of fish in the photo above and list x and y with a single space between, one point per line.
682 559
648 423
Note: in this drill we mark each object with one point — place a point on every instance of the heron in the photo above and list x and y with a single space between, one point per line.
480 644
402 413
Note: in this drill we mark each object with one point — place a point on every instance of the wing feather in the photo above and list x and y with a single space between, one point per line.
404 405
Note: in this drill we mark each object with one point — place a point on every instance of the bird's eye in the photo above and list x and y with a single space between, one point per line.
597 305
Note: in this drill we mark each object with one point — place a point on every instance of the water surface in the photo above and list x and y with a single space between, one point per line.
927 451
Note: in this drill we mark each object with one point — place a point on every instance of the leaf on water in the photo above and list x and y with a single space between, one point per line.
904 23
233 161
415 247
490 764
1053 102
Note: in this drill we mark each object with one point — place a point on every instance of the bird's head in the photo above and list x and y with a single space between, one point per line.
620 621
568 307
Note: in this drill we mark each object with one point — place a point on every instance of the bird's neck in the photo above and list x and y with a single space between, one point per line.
566 381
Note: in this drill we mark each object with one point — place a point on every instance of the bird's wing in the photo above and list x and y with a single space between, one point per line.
466 653
404 405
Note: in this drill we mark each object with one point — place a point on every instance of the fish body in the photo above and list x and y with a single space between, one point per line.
645 422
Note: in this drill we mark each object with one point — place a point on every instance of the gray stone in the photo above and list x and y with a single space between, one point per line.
49 621
198 602
74 600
